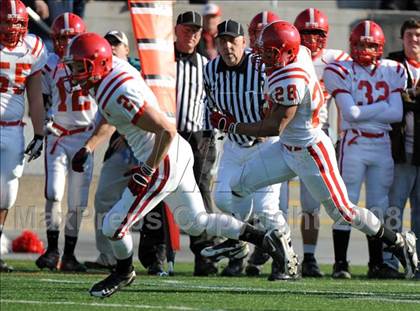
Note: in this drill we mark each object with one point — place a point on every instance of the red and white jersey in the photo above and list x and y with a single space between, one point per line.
122 97
16 65
70 107
326 57
297 84
367 85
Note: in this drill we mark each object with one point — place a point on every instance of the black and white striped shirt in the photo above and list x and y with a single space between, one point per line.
190 93
237 90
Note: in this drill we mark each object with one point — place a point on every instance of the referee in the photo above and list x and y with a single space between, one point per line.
234 85
190 96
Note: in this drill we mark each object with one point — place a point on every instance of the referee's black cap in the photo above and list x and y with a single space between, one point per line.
190 18
230 28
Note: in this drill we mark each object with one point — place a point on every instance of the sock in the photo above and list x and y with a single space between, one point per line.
52 237
387 236
125 266
252 234
309 248
69 245
375 251
341 243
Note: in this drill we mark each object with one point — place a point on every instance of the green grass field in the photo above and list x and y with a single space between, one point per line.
29 289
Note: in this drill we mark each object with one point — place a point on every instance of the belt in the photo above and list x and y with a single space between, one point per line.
12 123
66 132
254 143
364 134
293 148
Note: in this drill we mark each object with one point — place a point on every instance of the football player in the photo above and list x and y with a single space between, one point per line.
22 57
165 170
303 150
313 28
367 90
71 122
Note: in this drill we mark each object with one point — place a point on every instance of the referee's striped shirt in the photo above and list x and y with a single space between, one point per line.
238 90
190 93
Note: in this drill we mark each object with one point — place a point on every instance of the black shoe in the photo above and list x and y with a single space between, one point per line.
278 273
4 267
383 271
310 268
417 275
256 261
69 263
204 267
341 270
280 249
235 267
156 268
111 284
98 266
48 260
232 249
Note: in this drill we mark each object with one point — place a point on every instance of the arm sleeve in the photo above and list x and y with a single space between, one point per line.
337 79
40 53
128 103
354 113
287 92
395 111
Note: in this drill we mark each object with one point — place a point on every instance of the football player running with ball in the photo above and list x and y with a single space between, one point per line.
304 150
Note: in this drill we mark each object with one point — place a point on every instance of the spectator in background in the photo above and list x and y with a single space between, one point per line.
405 138
211 18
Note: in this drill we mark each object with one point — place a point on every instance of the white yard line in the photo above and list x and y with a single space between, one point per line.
94 304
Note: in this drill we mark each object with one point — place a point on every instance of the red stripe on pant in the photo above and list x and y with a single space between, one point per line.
326 181
334 177
125 225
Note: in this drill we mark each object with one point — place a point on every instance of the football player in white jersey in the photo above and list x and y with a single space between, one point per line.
313 27
265 201
72 121
304 150
22 56
367 90
165 170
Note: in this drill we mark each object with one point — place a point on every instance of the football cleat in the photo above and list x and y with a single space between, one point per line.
70 264
48 260
256 261
232 249
406 253
280 249
278 273
204 266
235 267
383 271
310 268
4 267
111 284
341 270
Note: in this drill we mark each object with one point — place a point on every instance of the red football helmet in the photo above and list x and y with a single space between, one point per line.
89 57
258 23
366 32
65 27
313 28
13 22
278 45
